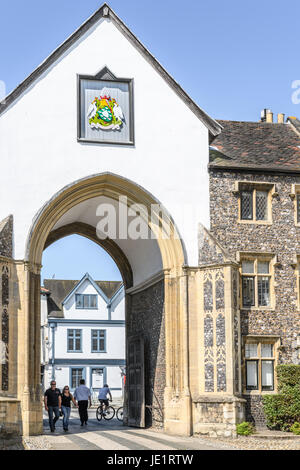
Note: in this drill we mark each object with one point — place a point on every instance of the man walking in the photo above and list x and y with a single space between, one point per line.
52 400
82 395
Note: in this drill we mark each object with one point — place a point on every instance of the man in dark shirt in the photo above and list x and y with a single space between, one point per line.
52 400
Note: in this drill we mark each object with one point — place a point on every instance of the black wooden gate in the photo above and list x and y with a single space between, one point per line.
136 381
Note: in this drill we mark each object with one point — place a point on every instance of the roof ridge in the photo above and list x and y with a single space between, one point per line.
249 122
105 11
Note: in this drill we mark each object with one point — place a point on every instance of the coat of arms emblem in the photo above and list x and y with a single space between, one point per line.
105 113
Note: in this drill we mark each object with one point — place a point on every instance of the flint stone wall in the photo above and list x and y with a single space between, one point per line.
282 238
147 319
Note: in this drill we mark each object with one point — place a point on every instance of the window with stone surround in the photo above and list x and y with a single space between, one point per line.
295 195
259 364
256 282
254 205
255 201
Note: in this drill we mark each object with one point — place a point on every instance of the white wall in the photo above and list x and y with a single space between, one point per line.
62 377
39 131
118 306
115 341
71 312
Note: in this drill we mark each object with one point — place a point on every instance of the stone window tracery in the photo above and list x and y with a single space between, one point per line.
259 359
256 283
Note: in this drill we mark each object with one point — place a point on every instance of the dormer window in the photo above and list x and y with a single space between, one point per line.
86 301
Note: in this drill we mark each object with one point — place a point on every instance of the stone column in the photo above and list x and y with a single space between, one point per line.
29 341
215 350
177 397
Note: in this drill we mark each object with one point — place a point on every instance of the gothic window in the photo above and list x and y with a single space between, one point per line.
246 205
254 205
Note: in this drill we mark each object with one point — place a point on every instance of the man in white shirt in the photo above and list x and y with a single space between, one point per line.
82 395
102 396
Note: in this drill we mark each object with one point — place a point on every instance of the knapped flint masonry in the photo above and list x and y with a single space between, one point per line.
260 162
205 324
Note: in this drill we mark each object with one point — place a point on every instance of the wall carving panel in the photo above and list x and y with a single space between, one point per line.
214 330
4 328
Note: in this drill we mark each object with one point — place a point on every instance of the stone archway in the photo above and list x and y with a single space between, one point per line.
169 286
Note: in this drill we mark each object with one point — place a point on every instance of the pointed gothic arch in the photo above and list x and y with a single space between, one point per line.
173 340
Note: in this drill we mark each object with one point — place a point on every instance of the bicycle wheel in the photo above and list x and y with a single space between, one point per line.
120 413
99 413
109 413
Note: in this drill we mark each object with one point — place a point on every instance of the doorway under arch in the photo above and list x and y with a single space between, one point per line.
156 296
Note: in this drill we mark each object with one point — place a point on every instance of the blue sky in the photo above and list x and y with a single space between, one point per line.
234 58
73 256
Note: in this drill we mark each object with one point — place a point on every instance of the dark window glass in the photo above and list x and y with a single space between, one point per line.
247 205
76 377
261 205
263 286
86 301
74 340
98 340
248 291
79 301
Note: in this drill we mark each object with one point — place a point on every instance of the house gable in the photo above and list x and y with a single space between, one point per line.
105 12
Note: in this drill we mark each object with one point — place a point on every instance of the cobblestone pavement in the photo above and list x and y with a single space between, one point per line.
255 443
112 435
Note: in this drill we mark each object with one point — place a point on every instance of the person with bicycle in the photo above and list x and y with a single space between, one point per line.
102 397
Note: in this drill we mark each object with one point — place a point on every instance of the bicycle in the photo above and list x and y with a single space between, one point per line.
120 413
108 414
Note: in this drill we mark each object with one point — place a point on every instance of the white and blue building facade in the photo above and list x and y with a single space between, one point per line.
86 334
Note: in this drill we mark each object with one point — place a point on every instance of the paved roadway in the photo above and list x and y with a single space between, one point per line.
112 435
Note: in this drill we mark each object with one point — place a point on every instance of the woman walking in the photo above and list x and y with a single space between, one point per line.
66 399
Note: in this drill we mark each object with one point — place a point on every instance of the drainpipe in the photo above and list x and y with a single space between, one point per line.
109 311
